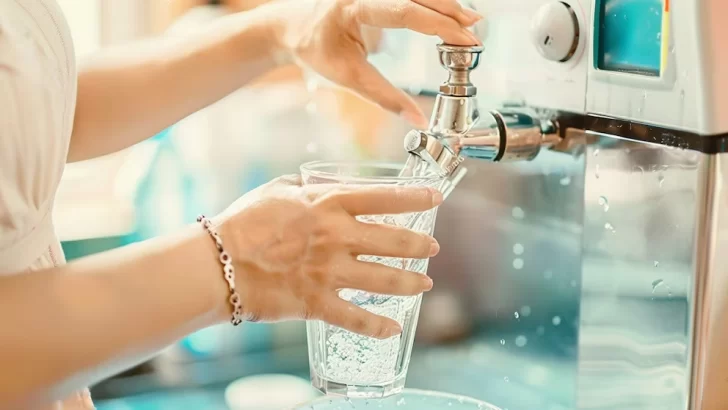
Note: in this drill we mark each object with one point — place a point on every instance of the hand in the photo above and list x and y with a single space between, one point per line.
294 247
328 36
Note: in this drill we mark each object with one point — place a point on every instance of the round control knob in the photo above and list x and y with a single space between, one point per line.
555 31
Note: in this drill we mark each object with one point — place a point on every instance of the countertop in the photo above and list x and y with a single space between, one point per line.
491 367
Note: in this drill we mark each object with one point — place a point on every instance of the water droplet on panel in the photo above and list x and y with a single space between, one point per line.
604 203
656 284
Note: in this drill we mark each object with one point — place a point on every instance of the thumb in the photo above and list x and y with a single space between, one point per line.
371 84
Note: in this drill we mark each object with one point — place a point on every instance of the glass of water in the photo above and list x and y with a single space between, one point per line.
344 363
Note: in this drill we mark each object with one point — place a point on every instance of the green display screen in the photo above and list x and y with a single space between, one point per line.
631 36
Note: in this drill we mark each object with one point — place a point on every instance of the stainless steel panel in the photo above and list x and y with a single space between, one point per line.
637 278
710 319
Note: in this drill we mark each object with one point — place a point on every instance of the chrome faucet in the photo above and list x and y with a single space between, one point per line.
458 129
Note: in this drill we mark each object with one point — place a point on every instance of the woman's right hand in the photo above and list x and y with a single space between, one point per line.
294 247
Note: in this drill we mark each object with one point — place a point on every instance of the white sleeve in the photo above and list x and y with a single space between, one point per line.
36 110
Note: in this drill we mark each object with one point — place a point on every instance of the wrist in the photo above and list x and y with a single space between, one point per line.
265 28
218 293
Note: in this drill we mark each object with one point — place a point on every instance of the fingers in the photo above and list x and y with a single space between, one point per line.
411 15
355 319
453 9
373 86
392 241
384 200
382 279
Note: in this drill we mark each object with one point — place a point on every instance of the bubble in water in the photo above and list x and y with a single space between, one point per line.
565 180
657 263
312 147
503 342
596 171
518 249
548 274
449 404
596 152
526 311
518 213
518 263
516 315
401 402
521 341
540 330
604 203
660 180
556 320
609 227
461 400
506 379
462 102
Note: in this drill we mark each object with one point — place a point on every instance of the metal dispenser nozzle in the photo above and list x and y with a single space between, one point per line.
457 128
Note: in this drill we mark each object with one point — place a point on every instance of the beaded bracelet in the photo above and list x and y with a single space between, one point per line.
228 269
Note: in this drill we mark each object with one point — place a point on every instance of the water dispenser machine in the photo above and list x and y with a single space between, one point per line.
632 92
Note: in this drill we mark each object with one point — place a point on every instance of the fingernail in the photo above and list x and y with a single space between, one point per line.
472 16
393 330
416 119
472 37
434 248
437 197
428 283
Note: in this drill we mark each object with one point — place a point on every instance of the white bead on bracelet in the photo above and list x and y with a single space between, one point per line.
228 270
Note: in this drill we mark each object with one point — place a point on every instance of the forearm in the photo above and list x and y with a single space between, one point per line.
125 96
72 326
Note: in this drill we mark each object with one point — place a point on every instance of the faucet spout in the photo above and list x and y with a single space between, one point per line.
458 129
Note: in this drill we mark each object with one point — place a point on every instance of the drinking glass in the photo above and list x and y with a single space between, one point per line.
344 363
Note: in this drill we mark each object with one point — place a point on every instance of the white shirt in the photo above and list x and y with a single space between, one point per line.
38 83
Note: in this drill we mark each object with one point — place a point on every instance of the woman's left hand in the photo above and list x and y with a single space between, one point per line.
328 36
